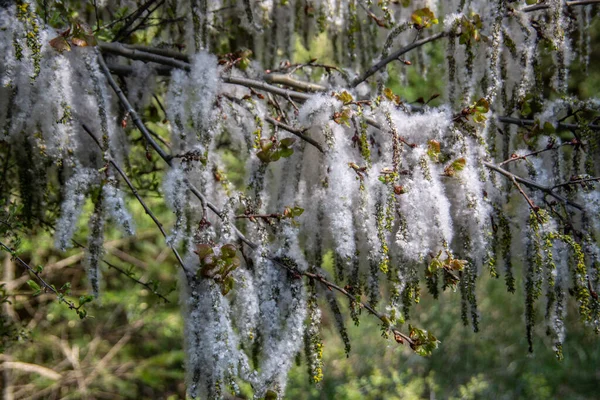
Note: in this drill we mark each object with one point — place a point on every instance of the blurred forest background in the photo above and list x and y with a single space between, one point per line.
130 346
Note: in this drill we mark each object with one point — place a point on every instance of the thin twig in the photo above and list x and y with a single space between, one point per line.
288 80
296 132
130 276
534 153
330 285
577 181
130 110
532 184
394 56
530 122
138 197
533 207
273 121
132 18
134 53
256 84
536 7
45 284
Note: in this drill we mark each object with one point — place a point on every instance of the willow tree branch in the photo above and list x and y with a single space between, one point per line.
537 7
168 159
532 184
299 133
127 70
296 132
160 52
131 111
532 206
256 84
45 284
134 53
142 283
382 317
577 182
530 122
533 153
132 18
394 56
288 80
138 197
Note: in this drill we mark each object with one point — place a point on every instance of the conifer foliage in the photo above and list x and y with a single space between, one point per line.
404 195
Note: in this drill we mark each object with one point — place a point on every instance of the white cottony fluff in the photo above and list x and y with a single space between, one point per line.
427 211
72 205
341 194
203 85
115 206
213 356
176 196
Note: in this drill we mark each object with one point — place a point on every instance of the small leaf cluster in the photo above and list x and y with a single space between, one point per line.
449 266
423 18
79 34
470 30
434 150
218 266
292 212
272 149
477 111
343 116
344 97
423 342
394 98
386 175
455 166
240 59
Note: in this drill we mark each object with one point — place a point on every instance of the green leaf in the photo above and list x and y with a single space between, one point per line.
228 251
264 156
275 156
271 395
60 43
287 142
85 299
549 128
433 149
204 250
345 97
227 285
285 152
482 106
423 18
34 285
459 164
265 144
